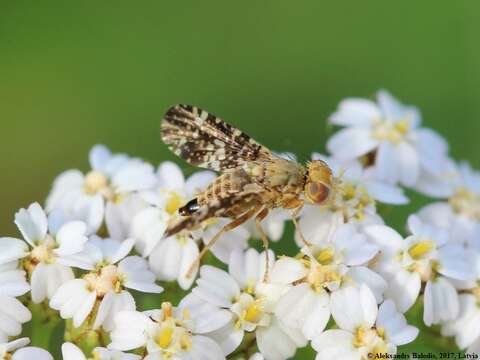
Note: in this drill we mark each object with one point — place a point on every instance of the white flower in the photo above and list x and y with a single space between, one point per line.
105 284
326 268
175 191
172 259
353 201
273 225
12 315
239 302
465 327
169 258
12 280
460 215
365 331
99 193
165 333
12 249
425 256
441 184
52 244
388 133
172 191
72 352
16 350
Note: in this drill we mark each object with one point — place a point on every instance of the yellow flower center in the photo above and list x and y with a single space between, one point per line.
175 201
250 311
321 277
420 249
476 293
392 132
6 356
95 181
43 252
422 263
254 312
164 337
352 199
326 256
372 339
171 336
104 280
467 203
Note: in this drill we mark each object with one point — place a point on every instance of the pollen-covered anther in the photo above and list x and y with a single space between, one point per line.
95 181
43 252
105 280
421 249
321 277
466 203
171 336
392 132
370 338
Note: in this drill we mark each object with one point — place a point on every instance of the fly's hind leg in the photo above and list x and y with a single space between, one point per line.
258 219
230 226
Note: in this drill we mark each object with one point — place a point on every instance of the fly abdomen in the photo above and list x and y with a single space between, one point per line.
189 208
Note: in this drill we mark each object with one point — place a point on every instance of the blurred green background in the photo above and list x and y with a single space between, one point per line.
73 74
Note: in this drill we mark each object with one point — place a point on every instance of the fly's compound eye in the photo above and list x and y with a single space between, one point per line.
317 192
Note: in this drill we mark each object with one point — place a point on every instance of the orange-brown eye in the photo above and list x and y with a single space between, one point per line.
317 192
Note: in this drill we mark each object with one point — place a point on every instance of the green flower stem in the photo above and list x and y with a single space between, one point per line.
247 348
44 322
85 336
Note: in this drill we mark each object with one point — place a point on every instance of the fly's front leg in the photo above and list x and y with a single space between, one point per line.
297 206
258 219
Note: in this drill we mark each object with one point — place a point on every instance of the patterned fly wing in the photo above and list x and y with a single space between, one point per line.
205 140
230 206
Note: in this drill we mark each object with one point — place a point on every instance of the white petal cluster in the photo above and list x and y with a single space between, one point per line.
99 246
168 333
388 136
105 192
365 331
105 286
17 350
427 257
313 280
241 302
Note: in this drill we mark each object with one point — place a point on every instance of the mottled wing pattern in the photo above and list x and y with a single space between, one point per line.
204 140
220 207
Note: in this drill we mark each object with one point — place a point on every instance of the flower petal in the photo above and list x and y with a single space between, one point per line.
12 249
335 344
32 223
72 352
352 307
359 140
216 286
71 238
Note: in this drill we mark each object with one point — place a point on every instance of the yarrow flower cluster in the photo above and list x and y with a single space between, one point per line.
100 243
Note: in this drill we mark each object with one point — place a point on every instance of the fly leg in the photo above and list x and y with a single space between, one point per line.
258 219
230 226
297 205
